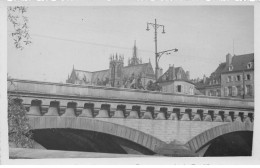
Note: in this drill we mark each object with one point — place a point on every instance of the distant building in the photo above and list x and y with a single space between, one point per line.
176 80
233 78
136 74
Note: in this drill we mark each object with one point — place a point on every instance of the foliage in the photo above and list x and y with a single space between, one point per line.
18 126
153 86
19 21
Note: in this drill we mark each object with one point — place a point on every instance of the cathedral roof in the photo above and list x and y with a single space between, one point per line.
101 75
80 75
145 68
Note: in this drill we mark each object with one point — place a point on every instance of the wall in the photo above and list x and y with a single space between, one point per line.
172 87
225 83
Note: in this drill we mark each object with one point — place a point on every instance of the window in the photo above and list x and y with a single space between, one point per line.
218 93
230 68
226 91
238 78
248 77
249 90
231 78
179 88
239 90
191 90
229 91
249 65
234 91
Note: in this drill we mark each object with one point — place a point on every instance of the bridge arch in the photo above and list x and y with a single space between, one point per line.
90 124
202 141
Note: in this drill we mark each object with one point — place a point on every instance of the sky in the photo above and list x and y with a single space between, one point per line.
86 36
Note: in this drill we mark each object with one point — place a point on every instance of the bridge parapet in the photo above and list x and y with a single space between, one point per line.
116 94
42 98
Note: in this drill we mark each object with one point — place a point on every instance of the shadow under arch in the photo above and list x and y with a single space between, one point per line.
85 140
237 143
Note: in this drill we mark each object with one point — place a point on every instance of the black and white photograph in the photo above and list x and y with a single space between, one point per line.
129 81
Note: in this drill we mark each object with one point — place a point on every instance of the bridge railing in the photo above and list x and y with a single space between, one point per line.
45 99
58 89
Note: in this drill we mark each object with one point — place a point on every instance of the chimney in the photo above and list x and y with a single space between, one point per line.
171 72
204 79
228 59
188 75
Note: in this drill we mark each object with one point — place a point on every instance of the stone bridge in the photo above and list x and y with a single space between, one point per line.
141 121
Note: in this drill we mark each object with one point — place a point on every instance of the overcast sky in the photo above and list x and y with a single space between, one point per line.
86 36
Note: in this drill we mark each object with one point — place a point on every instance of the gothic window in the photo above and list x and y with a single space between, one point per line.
119 71
113 72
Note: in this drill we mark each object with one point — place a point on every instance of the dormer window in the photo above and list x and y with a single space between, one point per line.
249 65
230 68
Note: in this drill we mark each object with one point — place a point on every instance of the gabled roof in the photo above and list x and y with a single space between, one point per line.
177 70
145 68
240 62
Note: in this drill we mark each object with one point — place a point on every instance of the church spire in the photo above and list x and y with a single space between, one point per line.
134 60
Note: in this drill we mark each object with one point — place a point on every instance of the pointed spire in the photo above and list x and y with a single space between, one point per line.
73 66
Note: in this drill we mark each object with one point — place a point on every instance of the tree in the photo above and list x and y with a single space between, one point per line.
18 127
16 15
153 86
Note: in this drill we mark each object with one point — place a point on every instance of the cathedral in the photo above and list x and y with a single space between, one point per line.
135 75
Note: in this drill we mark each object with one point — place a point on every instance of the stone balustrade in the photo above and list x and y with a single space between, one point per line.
73 91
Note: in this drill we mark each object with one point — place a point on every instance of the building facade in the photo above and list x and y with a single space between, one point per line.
177 81
233 78
237 79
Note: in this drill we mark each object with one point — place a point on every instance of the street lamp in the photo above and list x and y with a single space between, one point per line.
158 55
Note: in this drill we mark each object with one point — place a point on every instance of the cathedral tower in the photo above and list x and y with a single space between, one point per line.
116 70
